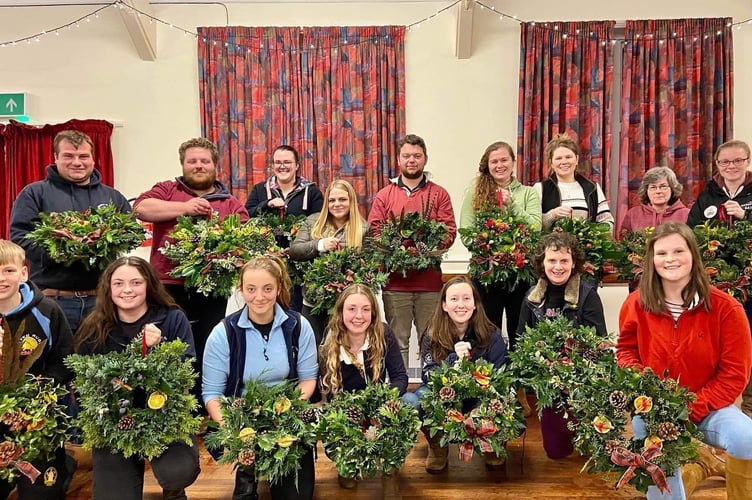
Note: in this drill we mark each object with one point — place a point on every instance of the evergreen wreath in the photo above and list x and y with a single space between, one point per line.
500 245
269 428
410 242
285 228
332 272
208 253
32 422
595 240
366 431
473 405
604 408
555 357
631 248
94 237
136 402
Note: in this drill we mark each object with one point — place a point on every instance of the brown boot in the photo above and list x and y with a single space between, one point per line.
494 461
522 398
711 462
436 461
738 479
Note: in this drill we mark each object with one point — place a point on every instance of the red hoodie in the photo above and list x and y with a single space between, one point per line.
644 215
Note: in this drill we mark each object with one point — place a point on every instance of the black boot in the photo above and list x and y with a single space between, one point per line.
245 484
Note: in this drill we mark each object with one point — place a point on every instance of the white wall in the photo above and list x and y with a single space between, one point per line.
458 106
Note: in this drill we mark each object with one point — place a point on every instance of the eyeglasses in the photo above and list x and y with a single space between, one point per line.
661 187
286 163
738 162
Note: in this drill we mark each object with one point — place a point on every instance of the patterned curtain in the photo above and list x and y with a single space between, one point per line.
566 82
337 94
677 101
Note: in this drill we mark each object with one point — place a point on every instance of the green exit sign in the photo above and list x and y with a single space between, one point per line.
13 104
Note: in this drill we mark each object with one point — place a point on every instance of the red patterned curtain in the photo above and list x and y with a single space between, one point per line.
566 82
28 150
677 101
337 94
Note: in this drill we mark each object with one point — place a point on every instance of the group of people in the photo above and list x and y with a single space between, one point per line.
675 323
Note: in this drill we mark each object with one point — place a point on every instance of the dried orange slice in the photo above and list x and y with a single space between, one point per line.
157 400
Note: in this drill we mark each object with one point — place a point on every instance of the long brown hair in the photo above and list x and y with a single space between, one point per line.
274 266
652 297
324 225
331 380
443 333
104 317
485 185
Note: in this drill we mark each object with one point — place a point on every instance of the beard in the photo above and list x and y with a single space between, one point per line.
412 175
201 183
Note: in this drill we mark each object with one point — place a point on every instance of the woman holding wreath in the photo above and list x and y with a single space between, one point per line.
132 301
680 326
560 291
338 225
359 349
496 186
459 328
258 342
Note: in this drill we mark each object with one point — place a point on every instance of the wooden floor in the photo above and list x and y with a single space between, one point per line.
529 474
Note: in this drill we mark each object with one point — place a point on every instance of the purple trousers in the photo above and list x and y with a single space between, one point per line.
557 439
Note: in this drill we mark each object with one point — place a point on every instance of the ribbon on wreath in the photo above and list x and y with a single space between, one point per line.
633 461
480 434
739 285
24 467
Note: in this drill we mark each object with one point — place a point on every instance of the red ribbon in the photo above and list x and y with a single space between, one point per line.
739 285
485 428
23 467
625 458
143 342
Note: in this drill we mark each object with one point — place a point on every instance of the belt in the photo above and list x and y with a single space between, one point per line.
53 292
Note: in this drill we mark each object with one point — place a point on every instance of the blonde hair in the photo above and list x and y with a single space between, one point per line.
324 225
331 380
11 253
274 266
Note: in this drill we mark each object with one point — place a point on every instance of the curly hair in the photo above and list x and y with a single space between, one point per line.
561 141
104 317
484 194
652 297
442 332
558 241
277 268
331 378
353 226
655 175
199 142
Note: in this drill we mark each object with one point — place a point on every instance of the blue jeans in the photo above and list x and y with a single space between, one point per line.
727 428
76 309
412 399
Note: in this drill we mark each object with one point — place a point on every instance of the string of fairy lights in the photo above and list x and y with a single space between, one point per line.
248 41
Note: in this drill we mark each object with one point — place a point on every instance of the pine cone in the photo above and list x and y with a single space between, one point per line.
748 271
422 247
9 451
496 406
354 415
238 403
372 433
618 400
590 355
611 446
393 407
668 431
246 457
16 420
446 394
126 423
309 416
708 255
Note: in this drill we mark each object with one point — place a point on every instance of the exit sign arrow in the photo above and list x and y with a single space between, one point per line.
13 104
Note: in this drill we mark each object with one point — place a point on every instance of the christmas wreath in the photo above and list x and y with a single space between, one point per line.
595 240
285 227
136 402
209 253
94 237
332 272
368 430
500 244
554 357
269 428
604 408
473 405
410 242
32 423
631 248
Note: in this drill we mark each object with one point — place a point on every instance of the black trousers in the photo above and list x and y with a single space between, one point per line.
498 299
318 323
120 478
285 488
60 469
